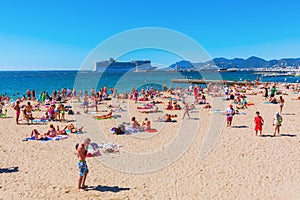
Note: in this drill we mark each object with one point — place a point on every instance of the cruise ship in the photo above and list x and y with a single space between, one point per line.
113 65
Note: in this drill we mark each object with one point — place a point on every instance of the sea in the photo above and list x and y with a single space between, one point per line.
15 83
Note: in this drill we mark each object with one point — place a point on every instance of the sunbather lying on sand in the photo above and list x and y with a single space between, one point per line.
37 135
166 118
297 98
72 128
106 116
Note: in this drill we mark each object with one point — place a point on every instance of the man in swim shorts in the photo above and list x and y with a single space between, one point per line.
83 168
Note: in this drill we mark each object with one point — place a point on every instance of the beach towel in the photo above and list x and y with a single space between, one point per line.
172 121
144 107
143 99
109 147
217 111
56 138
240 113
129 130
151 130
36 121
93 150
33 138
69 132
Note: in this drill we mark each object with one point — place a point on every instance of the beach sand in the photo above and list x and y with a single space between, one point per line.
239 166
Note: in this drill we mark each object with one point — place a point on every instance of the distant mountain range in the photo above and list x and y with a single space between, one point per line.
224 63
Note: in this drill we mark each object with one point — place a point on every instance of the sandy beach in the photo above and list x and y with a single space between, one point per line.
240 165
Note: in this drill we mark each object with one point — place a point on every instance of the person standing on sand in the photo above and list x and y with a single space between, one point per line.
259 122
229 115
186 109
272 91
43 96
277 123
85 103
266 95
281 104
18 111
28 92
83 168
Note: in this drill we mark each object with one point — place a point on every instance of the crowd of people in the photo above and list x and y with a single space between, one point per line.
172 100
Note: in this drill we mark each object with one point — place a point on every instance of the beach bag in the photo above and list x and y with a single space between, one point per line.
122 127
70 112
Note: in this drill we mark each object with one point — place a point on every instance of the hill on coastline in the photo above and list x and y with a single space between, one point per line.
251 62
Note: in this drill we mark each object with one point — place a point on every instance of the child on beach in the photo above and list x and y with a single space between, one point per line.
259 122
277 123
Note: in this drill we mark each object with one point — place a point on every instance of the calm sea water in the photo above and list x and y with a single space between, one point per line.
15 83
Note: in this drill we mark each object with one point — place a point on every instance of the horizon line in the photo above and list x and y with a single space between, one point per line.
15 68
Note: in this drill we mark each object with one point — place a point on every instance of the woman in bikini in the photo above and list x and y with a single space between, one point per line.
51 132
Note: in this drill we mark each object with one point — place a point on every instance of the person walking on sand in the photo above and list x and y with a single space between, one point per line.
229 115
83 168
277 123
281 104
186 109
259 122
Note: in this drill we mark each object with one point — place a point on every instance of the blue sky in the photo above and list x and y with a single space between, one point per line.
60 34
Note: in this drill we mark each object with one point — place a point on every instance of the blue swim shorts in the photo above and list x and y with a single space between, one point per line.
83 168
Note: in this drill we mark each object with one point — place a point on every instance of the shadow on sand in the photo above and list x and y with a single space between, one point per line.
239 126
9 170
281 135
288 113
106 188
195 118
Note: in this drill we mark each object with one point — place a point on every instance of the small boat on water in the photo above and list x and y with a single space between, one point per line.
228 70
